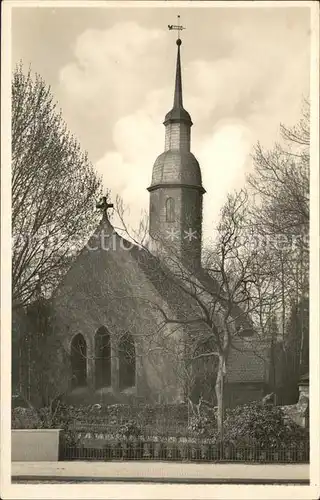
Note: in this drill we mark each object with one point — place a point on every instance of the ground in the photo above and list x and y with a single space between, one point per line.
97 472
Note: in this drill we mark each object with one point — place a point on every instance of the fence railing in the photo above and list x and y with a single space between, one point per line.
106 445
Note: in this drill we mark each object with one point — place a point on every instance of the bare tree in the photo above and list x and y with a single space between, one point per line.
247 278
280 221
281 182
54 188
39 355
211 306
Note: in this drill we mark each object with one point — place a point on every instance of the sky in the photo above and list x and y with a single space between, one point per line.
111 70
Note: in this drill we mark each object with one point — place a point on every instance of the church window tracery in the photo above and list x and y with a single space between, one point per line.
127 362
78 359
102 358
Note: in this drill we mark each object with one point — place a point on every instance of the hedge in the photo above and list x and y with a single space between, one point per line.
254 425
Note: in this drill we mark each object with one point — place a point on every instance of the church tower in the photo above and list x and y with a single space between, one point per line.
175 213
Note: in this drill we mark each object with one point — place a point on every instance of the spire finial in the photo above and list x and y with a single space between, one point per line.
177 27
177 103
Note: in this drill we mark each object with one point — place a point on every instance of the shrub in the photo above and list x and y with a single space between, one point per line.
201 426
260 424
49 417
130 430
247 426
25 418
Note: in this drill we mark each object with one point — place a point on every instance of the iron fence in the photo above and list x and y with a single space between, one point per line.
110 447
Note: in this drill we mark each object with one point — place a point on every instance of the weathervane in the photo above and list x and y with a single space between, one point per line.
178 28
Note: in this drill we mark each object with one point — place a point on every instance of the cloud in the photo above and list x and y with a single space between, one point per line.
222 153
224 157
127 169
120 75
104 62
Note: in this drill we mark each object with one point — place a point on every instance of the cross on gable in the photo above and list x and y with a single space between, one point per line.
103 205
176 27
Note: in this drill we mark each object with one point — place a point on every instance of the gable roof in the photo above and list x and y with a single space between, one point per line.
137 268
241 318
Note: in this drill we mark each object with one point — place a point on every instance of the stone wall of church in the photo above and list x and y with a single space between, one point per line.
107 288
191 213
184 232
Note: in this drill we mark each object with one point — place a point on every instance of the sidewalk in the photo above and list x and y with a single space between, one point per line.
161 472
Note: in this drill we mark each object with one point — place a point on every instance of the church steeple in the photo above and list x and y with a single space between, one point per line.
178 113
176 188
177 102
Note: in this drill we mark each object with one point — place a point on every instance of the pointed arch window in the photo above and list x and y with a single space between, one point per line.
102 358
170 210
127 362
79 361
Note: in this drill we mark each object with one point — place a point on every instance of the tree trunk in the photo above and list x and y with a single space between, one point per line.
283 301
219 387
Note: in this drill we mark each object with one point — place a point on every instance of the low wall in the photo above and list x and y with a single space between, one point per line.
35 445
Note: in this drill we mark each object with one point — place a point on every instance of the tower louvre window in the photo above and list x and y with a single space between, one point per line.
170 209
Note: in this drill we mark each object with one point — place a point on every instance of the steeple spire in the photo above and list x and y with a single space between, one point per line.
177 102
178 113
176 187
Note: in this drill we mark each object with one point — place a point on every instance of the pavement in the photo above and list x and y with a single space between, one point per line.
155 472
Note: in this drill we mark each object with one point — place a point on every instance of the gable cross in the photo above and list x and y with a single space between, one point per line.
103 205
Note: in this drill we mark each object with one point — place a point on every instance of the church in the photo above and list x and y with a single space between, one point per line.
121 318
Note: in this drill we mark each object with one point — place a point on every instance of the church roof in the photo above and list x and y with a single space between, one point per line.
242 321
178 113
247 357
98 280
247 361
175 166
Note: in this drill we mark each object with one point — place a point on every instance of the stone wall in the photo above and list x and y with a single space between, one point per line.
35 445
186 229
87 300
